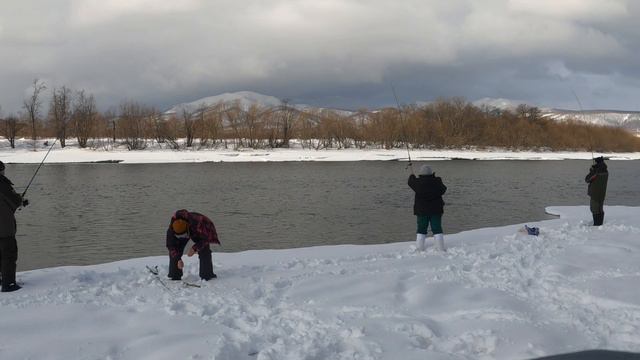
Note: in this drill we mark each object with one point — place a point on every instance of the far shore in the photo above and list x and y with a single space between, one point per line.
24 153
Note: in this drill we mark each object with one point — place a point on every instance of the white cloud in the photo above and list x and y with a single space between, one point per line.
589 10
161 49
91 12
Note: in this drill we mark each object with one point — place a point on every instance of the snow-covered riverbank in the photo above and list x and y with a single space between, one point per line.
498 293
24 153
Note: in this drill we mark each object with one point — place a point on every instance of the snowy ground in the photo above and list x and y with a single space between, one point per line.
496 294
24 153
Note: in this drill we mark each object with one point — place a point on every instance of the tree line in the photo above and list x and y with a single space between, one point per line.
444 124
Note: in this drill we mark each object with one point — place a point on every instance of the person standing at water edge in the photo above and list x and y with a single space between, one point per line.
10 201
187 225
597 179
428 206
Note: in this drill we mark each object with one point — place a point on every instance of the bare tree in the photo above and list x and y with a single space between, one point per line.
11 125
159 127
133 123
234 115
213 124
286 117
201 124
110 120
32 106
84 117
189 125
60 112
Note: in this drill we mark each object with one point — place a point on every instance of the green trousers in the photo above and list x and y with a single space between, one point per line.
596 207
424 221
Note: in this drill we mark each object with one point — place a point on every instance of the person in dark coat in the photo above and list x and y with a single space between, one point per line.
597 189
187 225
10 201
428 206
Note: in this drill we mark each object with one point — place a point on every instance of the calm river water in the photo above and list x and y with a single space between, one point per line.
94 213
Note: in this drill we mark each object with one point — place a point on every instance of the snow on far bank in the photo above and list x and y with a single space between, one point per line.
498 293
24 153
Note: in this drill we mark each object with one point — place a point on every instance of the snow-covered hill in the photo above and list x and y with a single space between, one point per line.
498 103
626 119
244 98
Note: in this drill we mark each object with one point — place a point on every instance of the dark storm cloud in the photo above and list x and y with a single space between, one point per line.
343 53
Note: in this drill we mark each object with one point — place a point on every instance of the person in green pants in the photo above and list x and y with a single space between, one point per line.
428 206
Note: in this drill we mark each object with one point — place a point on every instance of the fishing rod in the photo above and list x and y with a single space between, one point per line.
582 113
404 132
38 169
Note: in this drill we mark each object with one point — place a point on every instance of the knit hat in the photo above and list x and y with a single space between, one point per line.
599 160
179 226
425 170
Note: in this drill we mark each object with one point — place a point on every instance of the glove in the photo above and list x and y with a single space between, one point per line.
25 202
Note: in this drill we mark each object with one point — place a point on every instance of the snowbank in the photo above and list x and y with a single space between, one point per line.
496 294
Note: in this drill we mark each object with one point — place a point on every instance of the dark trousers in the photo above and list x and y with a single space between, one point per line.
8 258
206 263
425 220
597 210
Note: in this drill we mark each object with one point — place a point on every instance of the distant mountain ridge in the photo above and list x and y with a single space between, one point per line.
626 119
245 99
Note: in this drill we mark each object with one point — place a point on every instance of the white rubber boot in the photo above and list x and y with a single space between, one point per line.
420 240
439 240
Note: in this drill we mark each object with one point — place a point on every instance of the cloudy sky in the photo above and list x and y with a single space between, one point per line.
339 53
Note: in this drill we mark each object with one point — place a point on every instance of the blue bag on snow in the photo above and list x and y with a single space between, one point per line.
532 230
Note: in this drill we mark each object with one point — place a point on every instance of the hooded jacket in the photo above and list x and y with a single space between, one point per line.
10 201
201 231
429 190
597 179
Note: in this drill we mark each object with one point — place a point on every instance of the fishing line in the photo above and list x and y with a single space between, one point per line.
583 120
38 169
404 132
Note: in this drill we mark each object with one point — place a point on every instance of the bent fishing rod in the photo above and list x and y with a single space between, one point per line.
404 132
583 120
38 169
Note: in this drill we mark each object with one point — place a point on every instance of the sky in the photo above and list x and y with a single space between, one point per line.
346 54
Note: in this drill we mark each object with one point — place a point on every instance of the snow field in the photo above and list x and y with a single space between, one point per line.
498 293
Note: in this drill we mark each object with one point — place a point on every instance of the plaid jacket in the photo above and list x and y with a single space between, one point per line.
201 230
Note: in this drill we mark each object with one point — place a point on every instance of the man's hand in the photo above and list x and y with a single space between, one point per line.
25 202
180 264
191 252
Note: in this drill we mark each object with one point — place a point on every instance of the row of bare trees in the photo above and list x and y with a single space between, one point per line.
446 123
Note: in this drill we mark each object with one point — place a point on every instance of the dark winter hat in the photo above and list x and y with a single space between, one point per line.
599 160
1 166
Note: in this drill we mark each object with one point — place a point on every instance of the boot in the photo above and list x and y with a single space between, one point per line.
600 218
420 242
595 219
439 242
206 264
174 272
11 287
